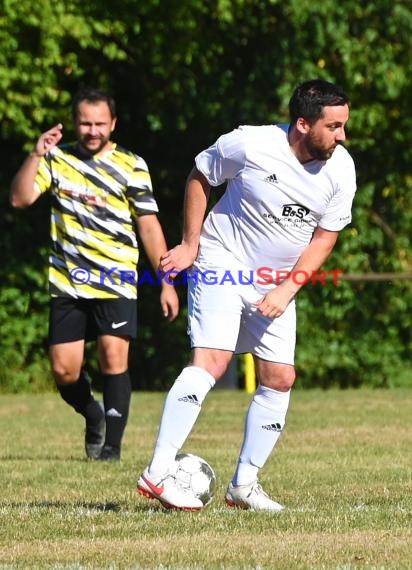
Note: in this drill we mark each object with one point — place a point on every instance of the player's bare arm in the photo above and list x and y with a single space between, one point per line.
274 303
196 197
23 192
154 243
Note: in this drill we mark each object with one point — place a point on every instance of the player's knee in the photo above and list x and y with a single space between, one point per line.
64 375
63 379
215 362
113 366
218 371
217 368
113 361
286 382
282 380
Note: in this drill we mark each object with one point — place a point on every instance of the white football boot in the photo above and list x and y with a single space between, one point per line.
251 497
168 492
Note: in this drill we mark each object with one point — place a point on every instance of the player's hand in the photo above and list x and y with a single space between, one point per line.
169 302
49 139
177 259
275 302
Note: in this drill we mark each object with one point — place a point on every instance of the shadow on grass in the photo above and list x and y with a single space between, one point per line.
10 457
60 505
98 507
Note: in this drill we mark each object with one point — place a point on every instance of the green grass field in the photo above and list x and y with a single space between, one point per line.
342 469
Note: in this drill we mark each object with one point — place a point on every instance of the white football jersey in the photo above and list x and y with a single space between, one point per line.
273 202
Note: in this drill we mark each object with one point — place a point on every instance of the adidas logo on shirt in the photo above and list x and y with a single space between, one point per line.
191 398
272 179
273 427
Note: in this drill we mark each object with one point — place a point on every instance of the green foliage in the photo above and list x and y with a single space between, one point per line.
182 73
24 308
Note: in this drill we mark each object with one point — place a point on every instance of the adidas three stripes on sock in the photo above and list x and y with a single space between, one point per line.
181 410
264 424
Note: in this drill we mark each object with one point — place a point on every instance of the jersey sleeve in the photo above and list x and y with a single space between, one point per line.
224 159
43 179
139 190
339 211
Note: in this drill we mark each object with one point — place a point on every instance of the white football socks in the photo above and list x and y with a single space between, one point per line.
264 423
181 410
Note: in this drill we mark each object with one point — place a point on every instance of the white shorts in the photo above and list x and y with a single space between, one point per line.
222 314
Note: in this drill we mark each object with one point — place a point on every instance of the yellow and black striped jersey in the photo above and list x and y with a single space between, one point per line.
94 200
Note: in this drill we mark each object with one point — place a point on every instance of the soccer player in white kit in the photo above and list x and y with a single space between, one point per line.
289 193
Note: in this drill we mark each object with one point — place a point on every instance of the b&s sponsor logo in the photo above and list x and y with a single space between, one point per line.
292 215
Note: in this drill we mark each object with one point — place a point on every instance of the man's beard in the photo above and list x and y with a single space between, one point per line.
316 151
83 143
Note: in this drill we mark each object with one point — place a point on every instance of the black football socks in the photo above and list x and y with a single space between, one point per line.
117 391
79 396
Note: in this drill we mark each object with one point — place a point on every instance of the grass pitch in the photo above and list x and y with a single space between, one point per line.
342 468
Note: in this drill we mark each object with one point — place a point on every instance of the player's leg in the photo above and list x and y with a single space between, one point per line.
66 353
267 412
117 389
184 401
265 419
116 323
264 423
214 319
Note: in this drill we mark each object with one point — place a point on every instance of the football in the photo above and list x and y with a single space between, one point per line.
194 474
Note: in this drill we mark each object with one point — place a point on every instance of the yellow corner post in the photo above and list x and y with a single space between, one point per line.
250 376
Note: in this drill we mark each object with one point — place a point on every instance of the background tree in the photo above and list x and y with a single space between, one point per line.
183 72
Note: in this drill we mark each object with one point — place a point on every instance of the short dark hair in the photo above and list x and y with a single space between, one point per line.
310 97
92 95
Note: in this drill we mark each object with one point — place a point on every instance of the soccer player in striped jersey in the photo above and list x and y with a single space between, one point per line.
101 200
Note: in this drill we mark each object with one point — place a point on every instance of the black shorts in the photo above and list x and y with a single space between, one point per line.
77 319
